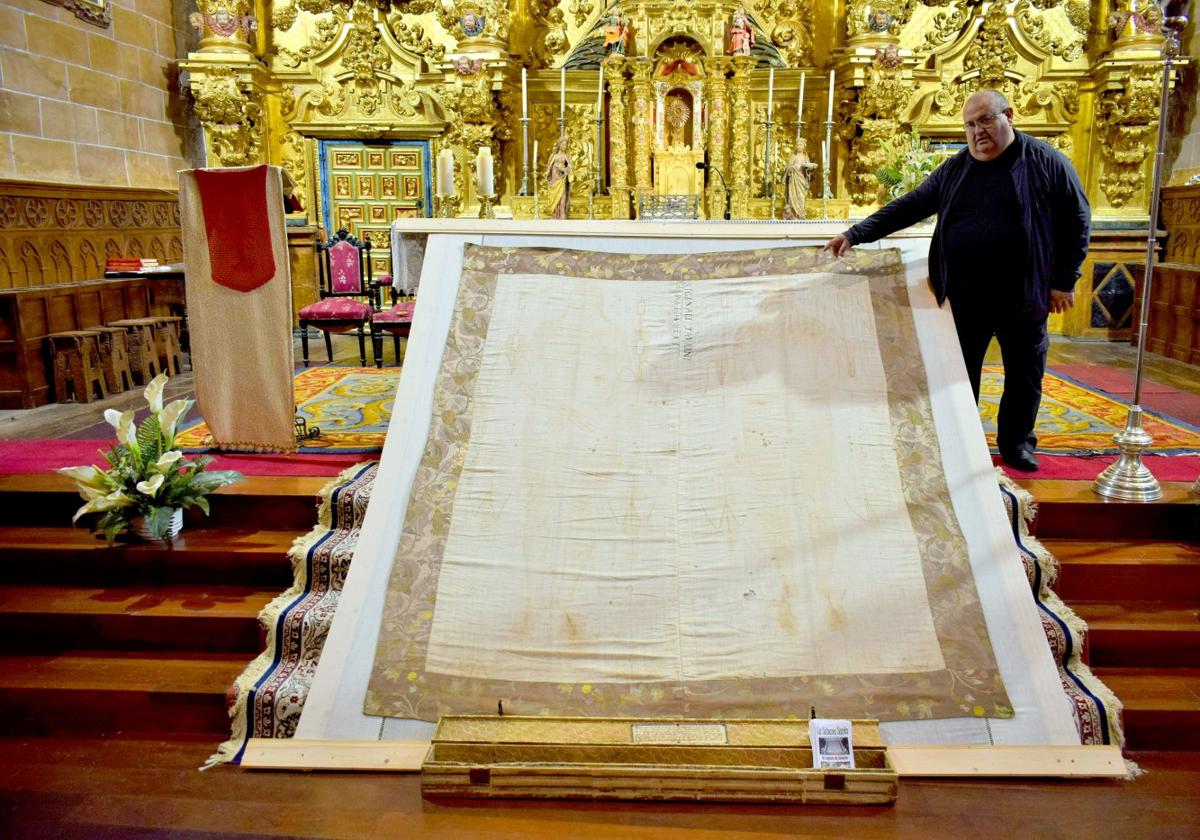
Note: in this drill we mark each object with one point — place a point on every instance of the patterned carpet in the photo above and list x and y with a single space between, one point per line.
1077 420
350 405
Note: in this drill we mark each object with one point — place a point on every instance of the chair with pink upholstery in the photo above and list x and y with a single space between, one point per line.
348 295
398 321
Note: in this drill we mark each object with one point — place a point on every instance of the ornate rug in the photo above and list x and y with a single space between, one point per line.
270 693
663 483
1077 420
350 405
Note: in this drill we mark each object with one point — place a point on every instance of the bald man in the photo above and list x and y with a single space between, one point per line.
1012 231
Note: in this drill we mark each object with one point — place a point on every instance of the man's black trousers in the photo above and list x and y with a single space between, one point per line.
1023 348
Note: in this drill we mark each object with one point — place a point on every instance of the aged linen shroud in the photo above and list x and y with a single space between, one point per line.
682 484
241 340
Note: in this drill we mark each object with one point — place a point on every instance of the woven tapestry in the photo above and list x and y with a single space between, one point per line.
694 485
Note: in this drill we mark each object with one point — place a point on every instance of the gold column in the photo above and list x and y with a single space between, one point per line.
743 66
618 145
643 128
718 126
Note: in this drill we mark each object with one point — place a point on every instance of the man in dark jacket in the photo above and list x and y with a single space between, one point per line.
1011 234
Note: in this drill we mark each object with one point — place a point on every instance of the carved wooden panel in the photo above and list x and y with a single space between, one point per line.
52 233
367 186
1181 218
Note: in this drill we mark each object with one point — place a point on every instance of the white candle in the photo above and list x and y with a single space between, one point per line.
770 92
800 100
562 92
600 92
483 171
524 96
829 116
445 173
535 165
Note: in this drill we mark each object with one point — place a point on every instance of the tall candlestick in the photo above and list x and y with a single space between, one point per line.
484 180
524 96
800 101
600 92
562 93
829 116
770 91
445 173
535 164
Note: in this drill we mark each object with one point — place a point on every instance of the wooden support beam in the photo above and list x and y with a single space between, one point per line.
1035 761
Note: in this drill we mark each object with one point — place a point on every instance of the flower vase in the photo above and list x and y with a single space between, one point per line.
140 527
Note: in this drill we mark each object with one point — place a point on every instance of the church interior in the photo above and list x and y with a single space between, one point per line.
544 282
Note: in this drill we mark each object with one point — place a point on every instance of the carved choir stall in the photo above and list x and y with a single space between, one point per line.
356 100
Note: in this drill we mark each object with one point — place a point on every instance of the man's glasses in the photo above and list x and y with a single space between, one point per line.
983 122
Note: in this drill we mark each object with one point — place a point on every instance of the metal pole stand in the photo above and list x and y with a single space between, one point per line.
1128 478
524 157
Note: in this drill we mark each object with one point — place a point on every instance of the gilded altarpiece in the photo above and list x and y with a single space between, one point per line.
1079 75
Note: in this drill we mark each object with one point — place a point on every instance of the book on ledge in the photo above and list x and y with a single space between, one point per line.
115 266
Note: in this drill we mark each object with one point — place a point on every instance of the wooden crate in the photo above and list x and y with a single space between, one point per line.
649 758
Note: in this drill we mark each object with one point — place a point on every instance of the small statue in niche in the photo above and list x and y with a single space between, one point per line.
616 32
558 181
741 33
678 116
797 181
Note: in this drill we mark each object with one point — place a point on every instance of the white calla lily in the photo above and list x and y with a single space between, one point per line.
127 431
89 476
115 499
113 417
170 416
166 460
154 393
150 487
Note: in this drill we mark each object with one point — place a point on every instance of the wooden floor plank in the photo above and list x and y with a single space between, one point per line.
119 786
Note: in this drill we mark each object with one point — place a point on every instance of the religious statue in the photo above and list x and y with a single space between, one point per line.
797 180
741 33
678 115
616 32
558 181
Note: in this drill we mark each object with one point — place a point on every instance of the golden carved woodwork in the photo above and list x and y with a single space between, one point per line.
52 234
1127 121
359 69
229 102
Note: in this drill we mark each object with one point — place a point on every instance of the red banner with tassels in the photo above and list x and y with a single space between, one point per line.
237 225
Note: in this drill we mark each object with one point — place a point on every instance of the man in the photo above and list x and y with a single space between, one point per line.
1011 233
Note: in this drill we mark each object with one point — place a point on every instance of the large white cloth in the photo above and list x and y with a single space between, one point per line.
1041 713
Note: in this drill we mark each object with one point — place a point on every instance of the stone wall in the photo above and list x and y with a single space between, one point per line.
84 104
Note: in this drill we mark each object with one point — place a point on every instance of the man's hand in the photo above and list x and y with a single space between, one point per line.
1059 301
839 245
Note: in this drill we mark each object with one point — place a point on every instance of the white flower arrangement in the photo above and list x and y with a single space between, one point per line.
911 164
146 476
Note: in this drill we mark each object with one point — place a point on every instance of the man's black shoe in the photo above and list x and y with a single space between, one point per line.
1020 459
